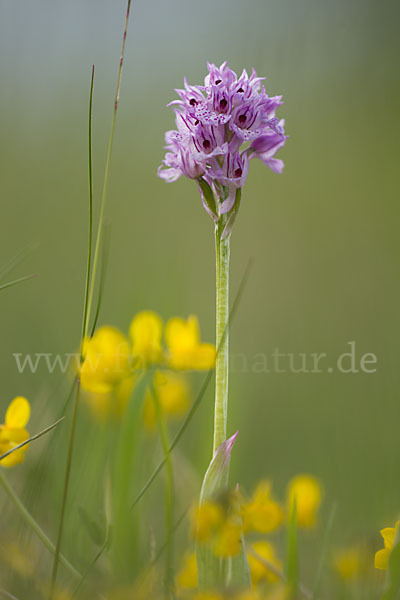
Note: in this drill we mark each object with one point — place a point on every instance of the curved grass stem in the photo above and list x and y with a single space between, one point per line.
106 175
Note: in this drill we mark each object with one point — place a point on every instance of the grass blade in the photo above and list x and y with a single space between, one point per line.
107 171
90 233
32 438
103 272
15 260
16 281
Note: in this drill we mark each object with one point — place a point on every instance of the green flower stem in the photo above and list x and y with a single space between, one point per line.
25 514
169 496
222 249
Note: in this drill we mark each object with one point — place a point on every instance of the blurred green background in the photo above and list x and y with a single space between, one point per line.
323 236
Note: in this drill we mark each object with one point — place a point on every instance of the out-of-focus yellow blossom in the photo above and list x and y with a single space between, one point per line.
280 592
390 537
111 404
262 513
13 432
206 518
348 563
62 595
173 395
106 360
249 595
19 561
187 577
146 334
208 596
227 541
185 349
106 372
259 567
143 589
59 593
307 492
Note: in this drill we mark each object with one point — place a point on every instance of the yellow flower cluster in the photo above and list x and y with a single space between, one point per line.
112 363
13 432
222 524
390 538
261 513
186 579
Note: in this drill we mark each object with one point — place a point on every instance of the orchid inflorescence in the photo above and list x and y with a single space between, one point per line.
221 125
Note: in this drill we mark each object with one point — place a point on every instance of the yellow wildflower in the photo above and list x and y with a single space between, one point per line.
186 578
263 566
249 595
206 518
185 349
172 394
228 539
348 563
111 404
262 513
142 589
13 432
390 536
208 596
106 372
307 492
19 561
280 592
146 333
106 360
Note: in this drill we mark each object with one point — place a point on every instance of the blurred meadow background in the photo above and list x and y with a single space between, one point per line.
323 237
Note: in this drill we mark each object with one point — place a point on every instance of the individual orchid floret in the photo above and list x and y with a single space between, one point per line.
220 126
266 146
